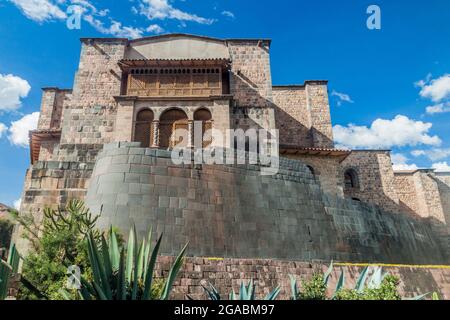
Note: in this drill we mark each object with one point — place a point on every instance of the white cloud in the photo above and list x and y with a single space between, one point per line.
398 132
439 108
154 28
418 153
17 204
435 89
228 14
433 154
3 129
404 167
46 10
441 167
343 97
40 10
162 9
12 89
19 130
400 163
116 29
398 158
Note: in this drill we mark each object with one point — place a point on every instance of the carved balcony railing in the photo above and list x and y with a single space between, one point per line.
178 78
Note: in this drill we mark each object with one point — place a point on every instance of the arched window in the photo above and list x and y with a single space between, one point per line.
205 117
311 169
351 179
170 121
143 132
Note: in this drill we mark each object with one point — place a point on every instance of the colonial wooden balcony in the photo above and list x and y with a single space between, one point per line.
175 78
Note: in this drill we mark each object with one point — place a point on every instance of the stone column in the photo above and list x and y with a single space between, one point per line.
190 143
155 142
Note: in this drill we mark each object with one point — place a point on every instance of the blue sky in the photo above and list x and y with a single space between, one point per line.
389 88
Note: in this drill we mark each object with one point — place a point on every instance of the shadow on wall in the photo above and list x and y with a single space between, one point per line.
444 190
367 185
290 129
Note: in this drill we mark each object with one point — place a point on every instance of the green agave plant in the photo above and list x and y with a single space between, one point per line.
7 269
120 275
246 292
364 281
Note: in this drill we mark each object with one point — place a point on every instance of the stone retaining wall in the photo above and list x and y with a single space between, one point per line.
233 211
268 274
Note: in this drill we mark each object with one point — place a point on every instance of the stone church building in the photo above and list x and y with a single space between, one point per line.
105 141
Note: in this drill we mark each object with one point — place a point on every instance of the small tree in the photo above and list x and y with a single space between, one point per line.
58 244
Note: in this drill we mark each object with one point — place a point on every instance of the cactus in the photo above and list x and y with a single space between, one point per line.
120 275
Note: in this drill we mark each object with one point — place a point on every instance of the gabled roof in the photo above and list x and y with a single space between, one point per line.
176 35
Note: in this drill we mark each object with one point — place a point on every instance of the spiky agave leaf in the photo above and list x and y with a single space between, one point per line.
173 273
215 292
361 282
121 282
294 288
242 291
376 279
150 268
141 259
250 292
101 281
131 254
212 293
274 294
114 252
340 284
420 297
106 259
137 261
327 274
147 252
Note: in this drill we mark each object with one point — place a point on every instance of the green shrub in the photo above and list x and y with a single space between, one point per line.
377 286
314 289
60 246
388 290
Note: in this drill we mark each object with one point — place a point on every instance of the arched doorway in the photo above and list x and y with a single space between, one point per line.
143 131
170 121
204 115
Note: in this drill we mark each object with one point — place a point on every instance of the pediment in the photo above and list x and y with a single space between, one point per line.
177 47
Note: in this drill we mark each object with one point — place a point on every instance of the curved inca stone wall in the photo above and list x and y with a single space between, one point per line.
235 212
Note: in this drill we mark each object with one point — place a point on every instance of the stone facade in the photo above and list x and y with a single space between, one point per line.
4 211
324 203
376 182
302 114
